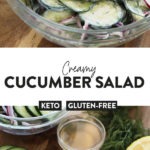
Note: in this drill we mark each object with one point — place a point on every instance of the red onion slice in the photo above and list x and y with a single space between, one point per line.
147 2
85 27
10 112
68 21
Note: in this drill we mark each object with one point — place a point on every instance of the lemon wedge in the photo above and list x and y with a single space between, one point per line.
140 144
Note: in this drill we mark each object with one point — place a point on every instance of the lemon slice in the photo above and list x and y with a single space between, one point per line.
140 144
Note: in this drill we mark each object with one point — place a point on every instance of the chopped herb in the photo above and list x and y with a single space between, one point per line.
121 129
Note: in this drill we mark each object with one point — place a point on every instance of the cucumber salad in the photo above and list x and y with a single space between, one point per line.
26 112
91 14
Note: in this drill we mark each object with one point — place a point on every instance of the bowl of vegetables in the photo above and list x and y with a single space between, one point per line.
28 120
85 23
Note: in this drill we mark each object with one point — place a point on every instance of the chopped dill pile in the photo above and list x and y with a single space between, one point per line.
121 129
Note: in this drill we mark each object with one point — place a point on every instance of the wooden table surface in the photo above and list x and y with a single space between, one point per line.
15 33
43 141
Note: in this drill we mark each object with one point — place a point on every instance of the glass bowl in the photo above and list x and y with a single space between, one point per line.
71 37
74 128
32 125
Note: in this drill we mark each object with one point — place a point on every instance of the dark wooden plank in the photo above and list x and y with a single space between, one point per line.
43 141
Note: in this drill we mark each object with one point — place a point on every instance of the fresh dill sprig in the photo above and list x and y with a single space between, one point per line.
121 129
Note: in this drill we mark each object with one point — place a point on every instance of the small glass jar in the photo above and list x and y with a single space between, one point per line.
81 133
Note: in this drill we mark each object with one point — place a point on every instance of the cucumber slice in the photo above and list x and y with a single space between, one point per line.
32 110
137 7
52 4
43 112
29 3
77 5
21 111
5 121
6 147
137 17
57 16
50 117
103 14
128 18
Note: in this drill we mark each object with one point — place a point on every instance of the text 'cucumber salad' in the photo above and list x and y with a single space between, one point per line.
91 14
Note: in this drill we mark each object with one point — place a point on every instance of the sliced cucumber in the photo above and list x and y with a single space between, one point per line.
32 110
50 116
57 16
21 111
136 6
43 112
5 121
128 18
103 14
77 5
137 17
6 147
52 4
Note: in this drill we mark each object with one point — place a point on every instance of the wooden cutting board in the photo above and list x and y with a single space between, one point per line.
48 139
15 33
43 141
